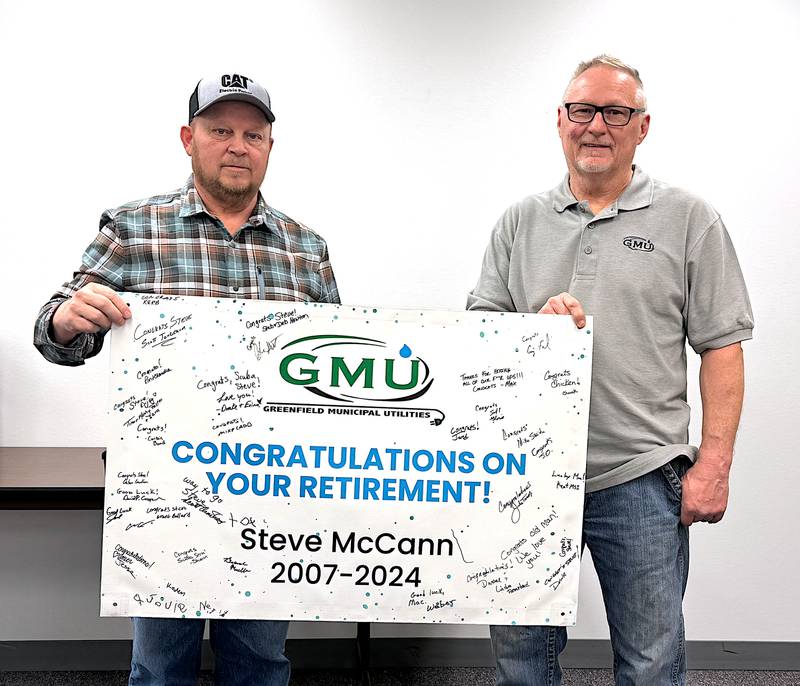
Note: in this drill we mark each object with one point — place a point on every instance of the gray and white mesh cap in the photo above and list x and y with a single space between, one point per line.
212 90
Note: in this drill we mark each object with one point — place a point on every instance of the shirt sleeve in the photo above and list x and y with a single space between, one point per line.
491 291
102 263
718 311
330 291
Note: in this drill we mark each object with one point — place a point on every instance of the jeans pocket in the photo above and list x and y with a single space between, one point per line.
673 472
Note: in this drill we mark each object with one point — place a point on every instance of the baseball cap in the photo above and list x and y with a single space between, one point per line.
212 90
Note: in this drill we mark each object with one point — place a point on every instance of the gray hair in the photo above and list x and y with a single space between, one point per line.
614 63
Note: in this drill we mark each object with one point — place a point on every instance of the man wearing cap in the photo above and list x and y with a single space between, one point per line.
655 267
214 237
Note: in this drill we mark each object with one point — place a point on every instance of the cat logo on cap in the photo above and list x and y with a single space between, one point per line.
234 81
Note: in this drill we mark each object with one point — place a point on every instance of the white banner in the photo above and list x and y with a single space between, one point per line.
324 462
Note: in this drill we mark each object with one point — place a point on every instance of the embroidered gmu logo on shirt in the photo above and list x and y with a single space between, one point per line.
637 243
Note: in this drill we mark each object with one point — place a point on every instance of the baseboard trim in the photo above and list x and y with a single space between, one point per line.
396 653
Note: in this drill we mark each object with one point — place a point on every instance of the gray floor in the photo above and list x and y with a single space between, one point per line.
411 677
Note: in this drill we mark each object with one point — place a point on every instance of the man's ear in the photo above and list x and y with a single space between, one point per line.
644 128
186 139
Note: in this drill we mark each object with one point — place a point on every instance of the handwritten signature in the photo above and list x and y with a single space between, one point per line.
522 495
255 346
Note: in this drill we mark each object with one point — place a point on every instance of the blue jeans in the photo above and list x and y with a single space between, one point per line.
166 652
640 551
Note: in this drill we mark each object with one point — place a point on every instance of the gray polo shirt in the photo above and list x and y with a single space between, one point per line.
656 268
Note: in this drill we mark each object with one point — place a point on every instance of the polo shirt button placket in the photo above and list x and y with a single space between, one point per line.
588 250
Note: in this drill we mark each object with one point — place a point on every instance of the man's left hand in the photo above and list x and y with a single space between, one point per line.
705 491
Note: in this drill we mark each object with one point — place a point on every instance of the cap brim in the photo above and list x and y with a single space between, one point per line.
241 97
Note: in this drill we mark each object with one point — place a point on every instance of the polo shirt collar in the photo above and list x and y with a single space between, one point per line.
192 204
638 194
562 196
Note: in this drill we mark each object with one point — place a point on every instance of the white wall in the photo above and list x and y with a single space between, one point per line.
403 131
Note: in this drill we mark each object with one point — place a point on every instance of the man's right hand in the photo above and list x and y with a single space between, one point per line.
564 303
93 308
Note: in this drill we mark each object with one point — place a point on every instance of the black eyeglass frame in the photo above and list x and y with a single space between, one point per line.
602 109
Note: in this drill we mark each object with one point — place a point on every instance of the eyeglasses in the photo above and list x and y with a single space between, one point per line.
613 115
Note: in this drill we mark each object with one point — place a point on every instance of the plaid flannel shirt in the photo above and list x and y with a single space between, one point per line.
170 244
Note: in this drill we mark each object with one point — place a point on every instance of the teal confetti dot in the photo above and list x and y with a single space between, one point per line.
198 613
365 606
162 315
411 517
449 576
367 594
482 334
233 366
247 593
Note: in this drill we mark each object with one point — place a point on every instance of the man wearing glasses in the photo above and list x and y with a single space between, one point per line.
655 267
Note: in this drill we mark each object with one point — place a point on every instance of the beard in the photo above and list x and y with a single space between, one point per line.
224 192
592 166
